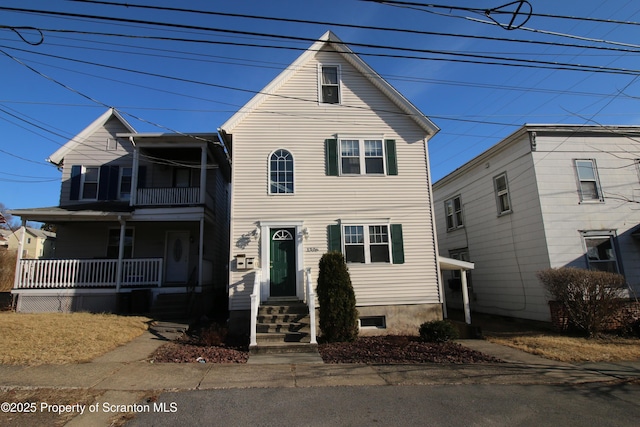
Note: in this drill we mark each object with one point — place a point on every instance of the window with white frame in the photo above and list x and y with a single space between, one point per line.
589 185
113 243
501 187
362 157
124 184
453 211
281 172
89 183
600 251
330 84
367 243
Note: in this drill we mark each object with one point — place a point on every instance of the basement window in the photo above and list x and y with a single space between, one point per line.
373 322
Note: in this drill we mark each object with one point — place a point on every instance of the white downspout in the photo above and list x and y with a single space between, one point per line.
203 175
134 175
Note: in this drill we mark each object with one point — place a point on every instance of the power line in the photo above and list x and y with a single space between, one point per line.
482 59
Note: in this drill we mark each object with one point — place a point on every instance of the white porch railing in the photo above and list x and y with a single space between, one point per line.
255 304
168 196
310 296
87 273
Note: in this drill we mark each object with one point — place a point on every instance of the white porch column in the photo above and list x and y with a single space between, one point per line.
18 275
465 297
134 176
203 175
120 253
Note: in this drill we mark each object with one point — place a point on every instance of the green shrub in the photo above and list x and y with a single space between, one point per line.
338 314
590 299
438 331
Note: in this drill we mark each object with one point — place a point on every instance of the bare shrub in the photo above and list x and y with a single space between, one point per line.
590 299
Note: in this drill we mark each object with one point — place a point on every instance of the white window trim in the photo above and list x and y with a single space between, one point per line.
320 85
454 216
293 159
611 235
361 152
596 180
121 174
133 238
367 244
502 192
83 176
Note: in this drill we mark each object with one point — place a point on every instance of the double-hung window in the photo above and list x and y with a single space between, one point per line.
501 187
330 84
124 185
589 184
600 251
362 157
113 243
89 183
368 243
453 211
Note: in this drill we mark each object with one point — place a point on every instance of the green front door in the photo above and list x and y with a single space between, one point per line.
283 262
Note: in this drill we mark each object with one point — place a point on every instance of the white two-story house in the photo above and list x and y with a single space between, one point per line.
546 196
140 215
329 156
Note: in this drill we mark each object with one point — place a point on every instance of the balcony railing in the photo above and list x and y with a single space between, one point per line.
87 273
168 196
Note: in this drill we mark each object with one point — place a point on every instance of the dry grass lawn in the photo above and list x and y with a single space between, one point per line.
571 349
60 338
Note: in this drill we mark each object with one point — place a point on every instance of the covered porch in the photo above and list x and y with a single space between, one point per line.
462 267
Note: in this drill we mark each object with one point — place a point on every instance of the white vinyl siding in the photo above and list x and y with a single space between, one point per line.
319 199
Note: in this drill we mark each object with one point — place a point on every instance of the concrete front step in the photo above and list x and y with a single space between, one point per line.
281 337
283 327
291 309
282 318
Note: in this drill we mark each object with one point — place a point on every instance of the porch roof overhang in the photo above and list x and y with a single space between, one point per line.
74 213
454 264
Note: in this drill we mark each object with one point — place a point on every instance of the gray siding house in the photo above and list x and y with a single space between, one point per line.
142 218
546 196
328 156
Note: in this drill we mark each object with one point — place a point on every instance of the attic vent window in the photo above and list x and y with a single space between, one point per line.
330 85
112 144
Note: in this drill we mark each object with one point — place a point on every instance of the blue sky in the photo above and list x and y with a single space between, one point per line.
475 105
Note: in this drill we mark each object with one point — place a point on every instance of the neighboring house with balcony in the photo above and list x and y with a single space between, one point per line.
37 244
546 196
329 156
140 216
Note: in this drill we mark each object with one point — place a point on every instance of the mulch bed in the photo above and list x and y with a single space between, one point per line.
366 350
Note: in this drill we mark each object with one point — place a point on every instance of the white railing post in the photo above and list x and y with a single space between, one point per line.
311 302
255 303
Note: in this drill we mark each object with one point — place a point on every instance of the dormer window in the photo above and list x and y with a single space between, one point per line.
330 84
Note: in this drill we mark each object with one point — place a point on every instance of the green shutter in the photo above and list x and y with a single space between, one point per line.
392 162
334 240
331 156
397 246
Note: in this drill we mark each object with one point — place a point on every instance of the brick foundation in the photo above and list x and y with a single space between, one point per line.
628 311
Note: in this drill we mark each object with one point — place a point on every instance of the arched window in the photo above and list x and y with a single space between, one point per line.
281 172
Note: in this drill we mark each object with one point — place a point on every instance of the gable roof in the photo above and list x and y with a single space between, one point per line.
331 40
58 157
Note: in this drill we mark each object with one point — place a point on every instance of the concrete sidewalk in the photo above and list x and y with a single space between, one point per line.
125 374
